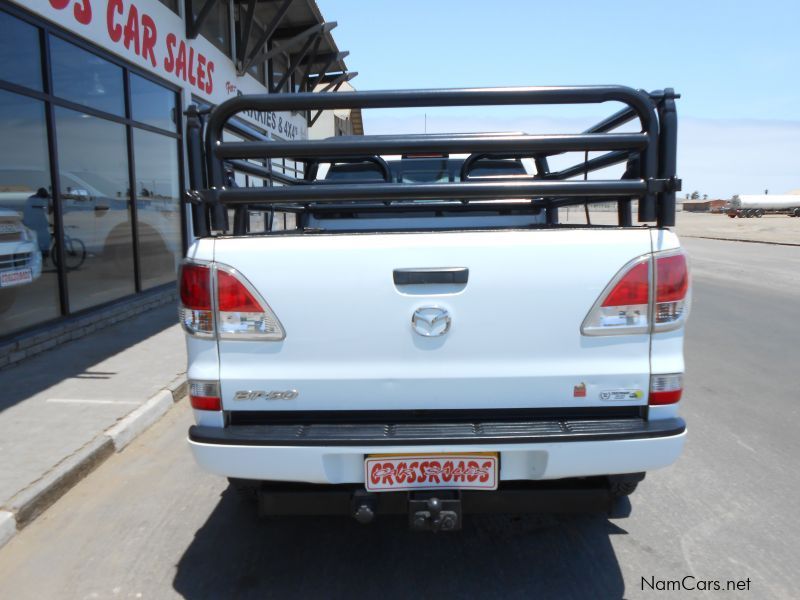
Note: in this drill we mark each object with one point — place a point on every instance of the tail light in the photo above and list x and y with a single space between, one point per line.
665 389
204 395
649 294
195 311
217 295
672 289
242 312
624 306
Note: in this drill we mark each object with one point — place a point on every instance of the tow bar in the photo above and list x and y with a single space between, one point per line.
427 512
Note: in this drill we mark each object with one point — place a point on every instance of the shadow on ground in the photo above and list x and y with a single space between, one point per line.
75 359
236 554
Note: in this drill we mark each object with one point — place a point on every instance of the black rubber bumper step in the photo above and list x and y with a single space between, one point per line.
391 434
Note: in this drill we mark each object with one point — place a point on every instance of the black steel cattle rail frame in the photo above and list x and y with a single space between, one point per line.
650 154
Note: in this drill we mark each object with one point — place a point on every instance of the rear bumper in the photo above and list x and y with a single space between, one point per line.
334 453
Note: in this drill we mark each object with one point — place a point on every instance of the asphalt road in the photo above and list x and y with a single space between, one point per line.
149 524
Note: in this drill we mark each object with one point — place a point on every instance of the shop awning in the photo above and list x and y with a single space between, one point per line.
267 28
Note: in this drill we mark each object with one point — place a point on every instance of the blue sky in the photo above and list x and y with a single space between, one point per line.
736 64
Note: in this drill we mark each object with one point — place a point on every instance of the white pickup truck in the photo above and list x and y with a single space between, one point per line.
429 339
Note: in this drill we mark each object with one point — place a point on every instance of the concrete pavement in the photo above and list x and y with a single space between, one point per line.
56 408
148 523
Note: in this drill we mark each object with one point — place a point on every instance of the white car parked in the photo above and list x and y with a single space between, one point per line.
20 258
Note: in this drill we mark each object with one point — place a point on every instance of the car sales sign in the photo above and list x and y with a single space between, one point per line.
150 35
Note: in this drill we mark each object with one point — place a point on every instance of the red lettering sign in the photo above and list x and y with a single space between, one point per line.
137 32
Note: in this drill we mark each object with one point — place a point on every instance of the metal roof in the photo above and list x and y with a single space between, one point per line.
267 28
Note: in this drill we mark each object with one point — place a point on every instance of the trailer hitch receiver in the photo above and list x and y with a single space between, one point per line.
434 514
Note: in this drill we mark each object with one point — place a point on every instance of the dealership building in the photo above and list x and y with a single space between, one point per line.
93 164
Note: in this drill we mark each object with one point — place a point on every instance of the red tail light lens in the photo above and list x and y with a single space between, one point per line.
633 288
234 296
672 292
195 290
672 275
196 287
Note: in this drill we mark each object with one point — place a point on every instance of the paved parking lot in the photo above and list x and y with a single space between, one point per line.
149 524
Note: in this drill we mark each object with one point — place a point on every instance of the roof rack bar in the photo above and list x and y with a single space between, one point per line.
593 164
612 122
668 150
625 115
355 146
637 100
194 144
478 190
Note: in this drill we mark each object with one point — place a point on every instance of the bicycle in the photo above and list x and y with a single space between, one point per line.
74 253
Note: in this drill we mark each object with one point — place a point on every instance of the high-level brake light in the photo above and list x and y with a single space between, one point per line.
649 294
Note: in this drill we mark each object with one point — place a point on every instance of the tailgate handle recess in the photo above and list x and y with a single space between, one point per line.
432 275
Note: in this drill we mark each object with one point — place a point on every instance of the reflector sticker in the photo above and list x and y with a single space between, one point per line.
621 395
579 391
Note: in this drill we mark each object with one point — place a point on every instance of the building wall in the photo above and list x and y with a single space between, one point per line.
331 123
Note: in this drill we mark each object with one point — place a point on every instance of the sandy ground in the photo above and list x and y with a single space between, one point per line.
770 228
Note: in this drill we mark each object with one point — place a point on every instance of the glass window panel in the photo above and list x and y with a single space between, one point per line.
171 4
28 279
152 104
157 207
93 182
20 58
85 78
216 27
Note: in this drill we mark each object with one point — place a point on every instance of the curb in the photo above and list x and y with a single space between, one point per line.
28 504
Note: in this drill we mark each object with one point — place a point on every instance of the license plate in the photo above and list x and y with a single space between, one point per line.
16 277
393 472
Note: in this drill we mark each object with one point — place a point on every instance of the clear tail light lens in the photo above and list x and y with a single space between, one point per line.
204 395
672 292
242 313
195 310
665 389
624 306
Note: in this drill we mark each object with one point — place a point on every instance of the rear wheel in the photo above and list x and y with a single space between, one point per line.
759 213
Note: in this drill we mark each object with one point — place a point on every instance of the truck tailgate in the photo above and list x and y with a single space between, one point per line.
514 339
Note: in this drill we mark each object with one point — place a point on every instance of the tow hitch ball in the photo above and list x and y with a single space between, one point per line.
434 514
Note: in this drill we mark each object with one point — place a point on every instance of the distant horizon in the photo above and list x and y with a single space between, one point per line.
739 114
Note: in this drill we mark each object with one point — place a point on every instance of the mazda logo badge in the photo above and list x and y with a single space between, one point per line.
430 321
